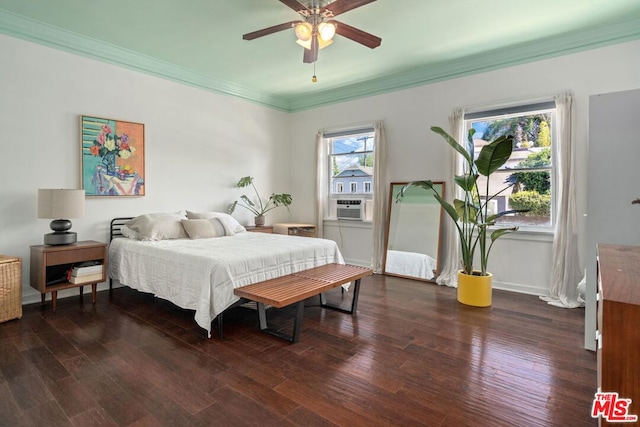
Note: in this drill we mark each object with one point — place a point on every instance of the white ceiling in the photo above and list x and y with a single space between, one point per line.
199 42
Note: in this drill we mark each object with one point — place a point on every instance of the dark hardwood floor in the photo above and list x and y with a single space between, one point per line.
411 356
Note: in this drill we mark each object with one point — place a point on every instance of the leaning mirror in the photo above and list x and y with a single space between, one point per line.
414 229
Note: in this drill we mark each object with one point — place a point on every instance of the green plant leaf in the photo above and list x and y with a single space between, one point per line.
466 182
281 199
502 231
245 181
452 142
470 147
247 200
472 211
427 185
492 218
494 155
447 207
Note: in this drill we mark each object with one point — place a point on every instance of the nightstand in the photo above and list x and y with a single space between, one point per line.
260 229
50 266
295 229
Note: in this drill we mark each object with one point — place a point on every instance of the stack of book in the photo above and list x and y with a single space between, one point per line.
85 274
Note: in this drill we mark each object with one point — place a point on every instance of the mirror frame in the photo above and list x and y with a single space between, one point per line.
388 225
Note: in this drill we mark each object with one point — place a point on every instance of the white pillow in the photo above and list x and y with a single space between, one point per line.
129 233
158 226
230 223
204 228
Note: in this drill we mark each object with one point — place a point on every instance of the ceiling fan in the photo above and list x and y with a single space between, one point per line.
317 27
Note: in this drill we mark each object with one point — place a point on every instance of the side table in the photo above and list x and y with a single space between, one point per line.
50 266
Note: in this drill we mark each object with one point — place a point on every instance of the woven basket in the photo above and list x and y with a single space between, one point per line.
10 288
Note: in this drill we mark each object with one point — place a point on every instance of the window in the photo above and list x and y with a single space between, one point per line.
529 173
351 163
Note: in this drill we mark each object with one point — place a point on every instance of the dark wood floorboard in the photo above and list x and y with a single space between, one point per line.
412 356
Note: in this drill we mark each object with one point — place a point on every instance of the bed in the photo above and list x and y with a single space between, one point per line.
410 264
201 273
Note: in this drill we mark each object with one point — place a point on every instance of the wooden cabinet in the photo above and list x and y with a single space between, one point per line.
50 265
292 229
618 322
260 229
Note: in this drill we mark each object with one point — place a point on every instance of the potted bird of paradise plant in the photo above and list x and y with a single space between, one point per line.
474 221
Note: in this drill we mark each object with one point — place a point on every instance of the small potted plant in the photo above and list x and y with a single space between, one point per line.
471 215
259 208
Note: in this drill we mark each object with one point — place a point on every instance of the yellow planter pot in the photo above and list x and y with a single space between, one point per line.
474 290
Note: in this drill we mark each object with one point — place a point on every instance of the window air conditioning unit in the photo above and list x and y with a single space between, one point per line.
351 209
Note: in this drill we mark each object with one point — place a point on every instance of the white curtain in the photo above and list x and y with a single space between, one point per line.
565 270
451 255
322 151
380 186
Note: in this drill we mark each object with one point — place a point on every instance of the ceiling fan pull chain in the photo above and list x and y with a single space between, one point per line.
314 79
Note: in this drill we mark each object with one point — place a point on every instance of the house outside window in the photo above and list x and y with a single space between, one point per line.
530 169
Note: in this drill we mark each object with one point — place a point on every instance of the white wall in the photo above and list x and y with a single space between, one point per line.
198 144
520 262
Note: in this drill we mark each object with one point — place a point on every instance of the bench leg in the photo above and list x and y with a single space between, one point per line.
297 323
354 301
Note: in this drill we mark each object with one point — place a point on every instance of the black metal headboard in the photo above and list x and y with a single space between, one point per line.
115 228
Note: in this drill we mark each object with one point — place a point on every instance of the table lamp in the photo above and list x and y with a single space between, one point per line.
57 204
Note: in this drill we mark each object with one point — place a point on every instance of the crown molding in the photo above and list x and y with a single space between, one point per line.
550 47
38 32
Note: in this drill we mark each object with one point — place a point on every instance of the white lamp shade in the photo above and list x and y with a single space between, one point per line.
60 203
321 43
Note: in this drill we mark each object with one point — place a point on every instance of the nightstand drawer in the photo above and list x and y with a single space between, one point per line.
75 256
260 229
294 229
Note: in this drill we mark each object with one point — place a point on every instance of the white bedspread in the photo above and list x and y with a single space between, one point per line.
201 274
410 264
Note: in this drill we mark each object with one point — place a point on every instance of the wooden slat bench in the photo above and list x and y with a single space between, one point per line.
295 288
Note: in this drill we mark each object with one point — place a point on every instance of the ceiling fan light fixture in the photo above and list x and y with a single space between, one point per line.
304 43
304 30
321 43
326 31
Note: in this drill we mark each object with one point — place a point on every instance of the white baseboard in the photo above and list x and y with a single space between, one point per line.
358 262
520 288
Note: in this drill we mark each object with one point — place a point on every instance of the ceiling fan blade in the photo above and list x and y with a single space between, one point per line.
294 4
270 30
342 6
359 36
311 55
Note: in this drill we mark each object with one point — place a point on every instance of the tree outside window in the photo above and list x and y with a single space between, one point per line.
530 168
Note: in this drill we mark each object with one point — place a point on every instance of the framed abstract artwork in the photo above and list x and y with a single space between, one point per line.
112 157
